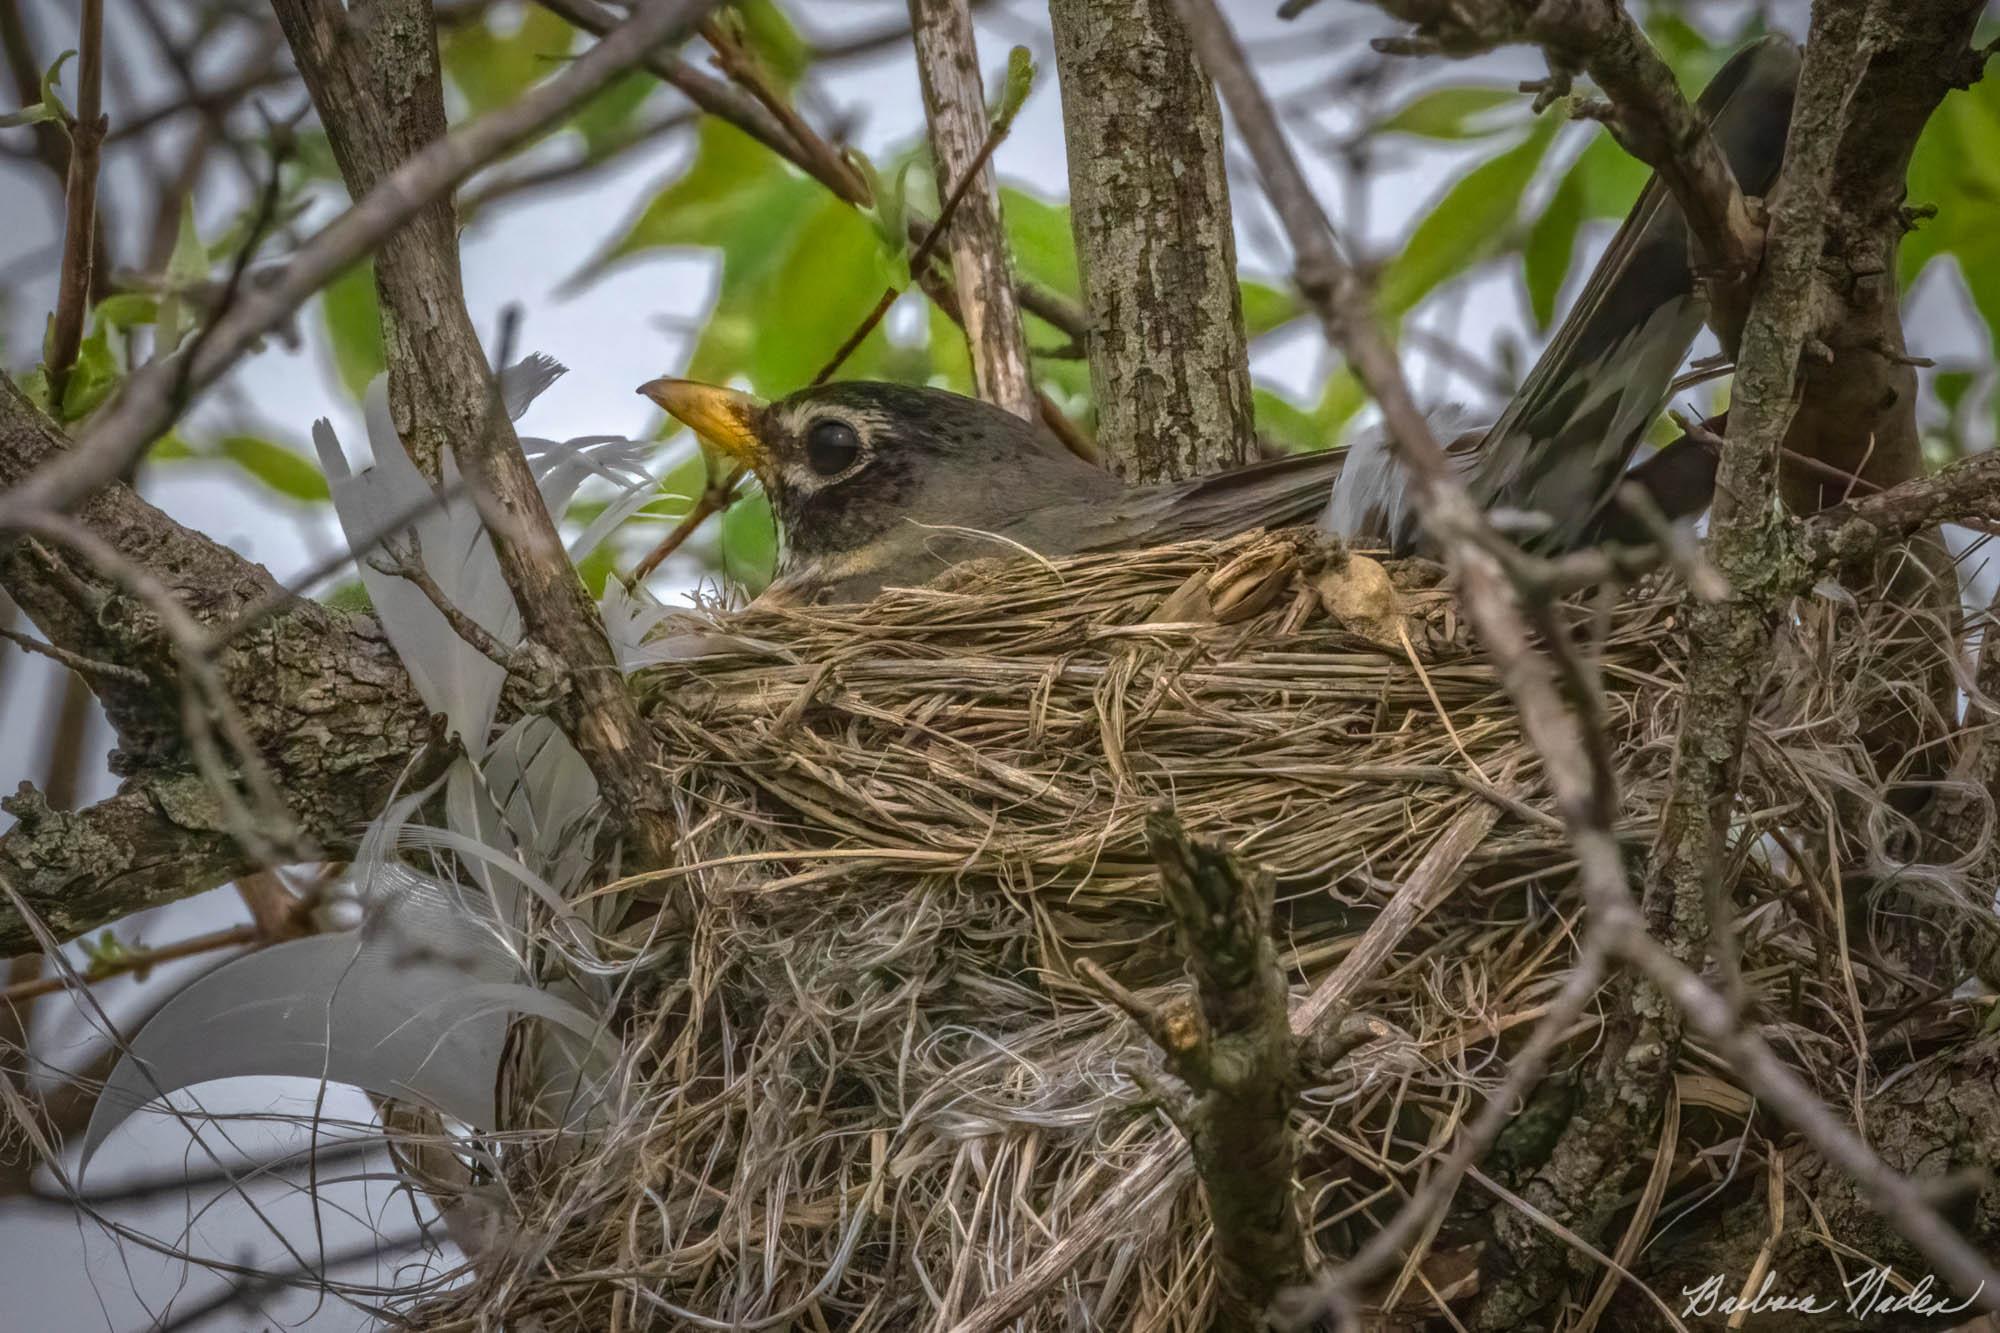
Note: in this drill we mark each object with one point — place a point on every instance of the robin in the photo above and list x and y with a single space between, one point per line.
876 484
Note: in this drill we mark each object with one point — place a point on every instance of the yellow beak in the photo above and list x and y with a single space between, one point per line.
725 417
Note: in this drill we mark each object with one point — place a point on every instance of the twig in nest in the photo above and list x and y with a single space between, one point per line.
1232 1045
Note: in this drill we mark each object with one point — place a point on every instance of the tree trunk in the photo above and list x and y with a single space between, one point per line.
1149 201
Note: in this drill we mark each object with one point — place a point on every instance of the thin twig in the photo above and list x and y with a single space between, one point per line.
742 66
83 666
86 142
148 403
135 961
921 256
715 497
404 563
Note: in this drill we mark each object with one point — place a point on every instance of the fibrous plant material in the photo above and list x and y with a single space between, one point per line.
874 1084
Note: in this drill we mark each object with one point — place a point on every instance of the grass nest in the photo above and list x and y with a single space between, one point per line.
872 1091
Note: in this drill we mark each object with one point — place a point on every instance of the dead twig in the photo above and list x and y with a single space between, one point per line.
1233 1048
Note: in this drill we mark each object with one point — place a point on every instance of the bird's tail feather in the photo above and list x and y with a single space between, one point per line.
1569 433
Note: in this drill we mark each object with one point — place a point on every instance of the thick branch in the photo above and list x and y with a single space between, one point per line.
1859 529
1150 206
379 93
323 695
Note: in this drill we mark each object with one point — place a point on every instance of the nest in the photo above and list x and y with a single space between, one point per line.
872 1091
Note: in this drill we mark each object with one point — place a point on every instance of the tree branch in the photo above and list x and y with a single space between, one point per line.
86 141
322 696
1853 532
153 397
955 106
1646 112
379 93
1234 1048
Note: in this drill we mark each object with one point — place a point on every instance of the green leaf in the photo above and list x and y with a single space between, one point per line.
1956 168
37 114
170 448
1688 52
1038 233
1307 430
491 69
92 378
1020 81
890 214
608 116
750 542
1266 308
351 596
1468 225
283 470
50 108
825 282
187 268
1950 387
34 385
354 327
735 196
770 34
1551 243
1453 113
126 310
1609 177
951 360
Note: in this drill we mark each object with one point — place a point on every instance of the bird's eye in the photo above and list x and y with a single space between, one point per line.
832 447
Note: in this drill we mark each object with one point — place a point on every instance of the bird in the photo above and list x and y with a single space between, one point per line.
878 484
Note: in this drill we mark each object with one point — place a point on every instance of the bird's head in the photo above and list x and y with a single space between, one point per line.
848 465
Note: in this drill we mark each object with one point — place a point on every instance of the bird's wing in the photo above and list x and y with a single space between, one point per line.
1569 433
1273 494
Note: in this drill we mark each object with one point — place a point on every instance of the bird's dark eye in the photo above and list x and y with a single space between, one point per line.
832 447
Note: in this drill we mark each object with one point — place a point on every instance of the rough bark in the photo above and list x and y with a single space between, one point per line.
375 81
1231 1042
1149 202
321 692
1940 1125
955 106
